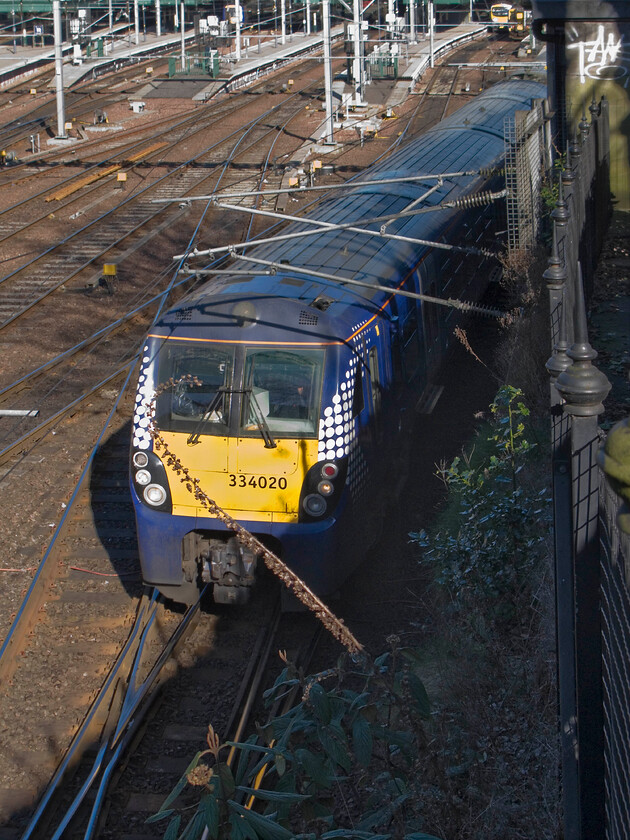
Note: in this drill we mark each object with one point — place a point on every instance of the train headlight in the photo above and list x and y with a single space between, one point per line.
140 459
314 504
143 477
155 495
330 471
325 488
150 481
322 489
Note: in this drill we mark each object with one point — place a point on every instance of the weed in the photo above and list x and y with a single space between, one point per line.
487 560
358 740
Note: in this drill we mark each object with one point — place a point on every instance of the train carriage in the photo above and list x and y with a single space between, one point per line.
300 383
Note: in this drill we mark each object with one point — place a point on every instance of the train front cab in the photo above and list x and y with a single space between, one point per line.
266 430
499 15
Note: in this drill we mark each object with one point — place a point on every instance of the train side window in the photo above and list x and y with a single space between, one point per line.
375 383
358 401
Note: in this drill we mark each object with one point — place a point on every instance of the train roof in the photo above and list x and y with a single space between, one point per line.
470 140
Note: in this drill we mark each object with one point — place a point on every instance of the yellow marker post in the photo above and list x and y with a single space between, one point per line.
108 278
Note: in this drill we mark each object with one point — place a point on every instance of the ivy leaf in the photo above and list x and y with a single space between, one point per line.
420 835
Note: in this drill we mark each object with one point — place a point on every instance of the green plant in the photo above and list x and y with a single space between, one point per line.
359 740
549 194
485 561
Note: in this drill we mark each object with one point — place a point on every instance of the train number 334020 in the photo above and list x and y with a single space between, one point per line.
261 482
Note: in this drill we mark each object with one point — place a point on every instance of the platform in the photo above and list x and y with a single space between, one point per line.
120 45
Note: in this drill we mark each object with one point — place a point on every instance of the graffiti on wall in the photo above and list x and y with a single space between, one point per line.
602 57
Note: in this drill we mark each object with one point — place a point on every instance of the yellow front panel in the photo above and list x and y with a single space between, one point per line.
241 476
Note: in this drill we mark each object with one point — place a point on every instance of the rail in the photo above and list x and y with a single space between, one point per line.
132 708
139 214
418 69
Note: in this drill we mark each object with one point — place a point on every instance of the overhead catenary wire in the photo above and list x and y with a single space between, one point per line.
319 226
452 303
352 184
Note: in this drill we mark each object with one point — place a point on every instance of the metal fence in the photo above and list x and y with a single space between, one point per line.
527 157
592 553
615 584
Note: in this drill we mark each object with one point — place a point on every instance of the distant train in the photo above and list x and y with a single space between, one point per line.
500 15
296 415
519 20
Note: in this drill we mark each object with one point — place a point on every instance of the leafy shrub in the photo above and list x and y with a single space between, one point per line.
358 741
502 525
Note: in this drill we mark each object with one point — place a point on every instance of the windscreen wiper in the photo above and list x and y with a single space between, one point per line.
259 417
193 437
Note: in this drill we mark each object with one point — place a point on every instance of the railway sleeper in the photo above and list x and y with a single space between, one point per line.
227 564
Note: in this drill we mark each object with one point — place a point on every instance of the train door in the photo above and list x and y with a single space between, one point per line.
375 392
375 380
407 342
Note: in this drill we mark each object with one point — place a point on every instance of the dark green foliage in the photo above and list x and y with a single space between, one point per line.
366 725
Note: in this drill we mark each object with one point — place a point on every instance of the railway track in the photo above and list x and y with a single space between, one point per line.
65 261
182 719
81 100
70 624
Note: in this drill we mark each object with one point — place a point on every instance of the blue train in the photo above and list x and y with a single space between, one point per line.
291 385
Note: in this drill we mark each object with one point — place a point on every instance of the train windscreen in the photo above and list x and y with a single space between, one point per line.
284 386
222 389
499 12
202 377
